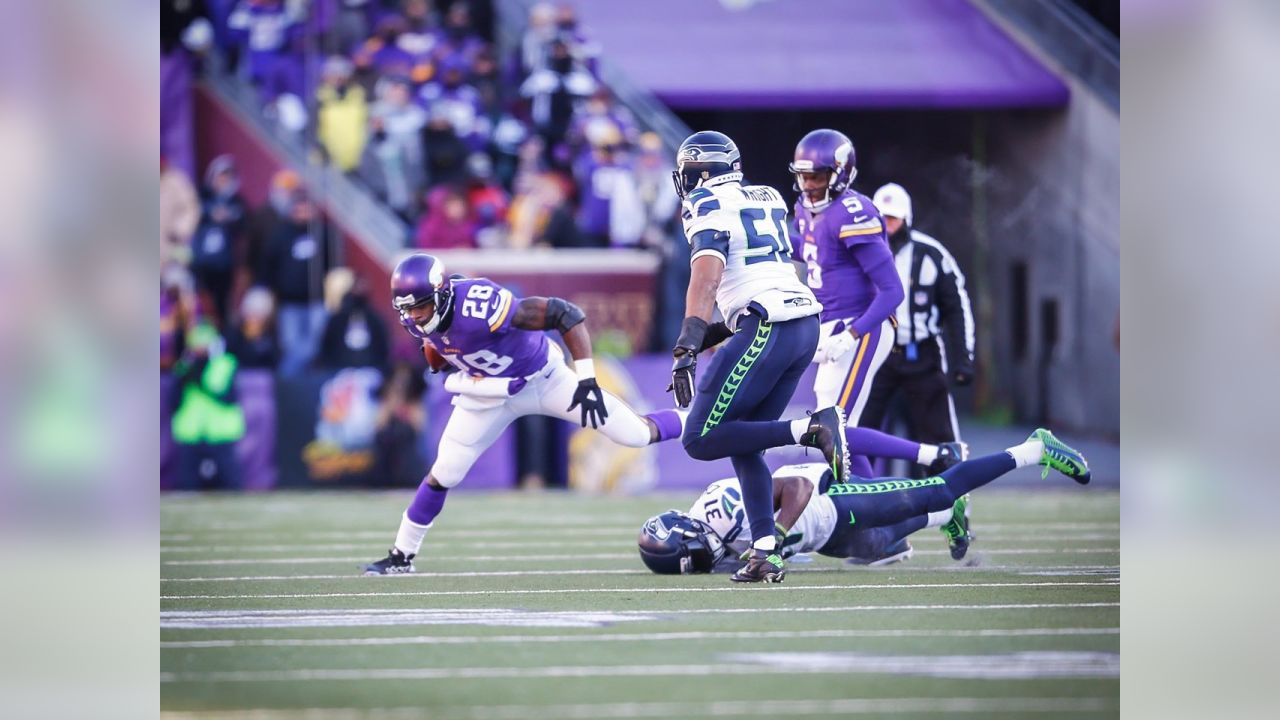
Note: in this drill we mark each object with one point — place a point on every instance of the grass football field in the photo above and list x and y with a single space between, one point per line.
534 606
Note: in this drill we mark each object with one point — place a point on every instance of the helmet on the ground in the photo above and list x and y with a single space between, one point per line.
702 156
675 544
825 150
420 279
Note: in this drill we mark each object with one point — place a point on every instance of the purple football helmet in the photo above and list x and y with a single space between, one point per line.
829 150
417 280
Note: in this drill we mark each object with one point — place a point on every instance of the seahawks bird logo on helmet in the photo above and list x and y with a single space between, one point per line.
420 279
702 156
675 544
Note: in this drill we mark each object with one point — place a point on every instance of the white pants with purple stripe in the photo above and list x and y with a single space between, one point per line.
846 381
477 422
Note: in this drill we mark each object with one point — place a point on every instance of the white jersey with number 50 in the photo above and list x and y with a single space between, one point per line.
746 227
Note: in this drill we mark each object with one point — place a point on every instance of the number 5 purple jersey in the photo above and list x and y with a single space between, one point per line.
847 252
482 340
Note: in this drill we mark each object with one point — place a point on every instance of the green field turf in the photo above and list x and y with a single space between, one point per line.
536 606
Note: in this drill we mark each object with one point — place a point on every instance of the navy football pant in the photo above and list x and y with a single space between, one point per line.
865 511
740 397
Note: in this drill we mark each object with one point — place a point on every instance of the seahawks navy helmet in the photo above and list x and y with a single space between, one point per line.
702 156
825 150
675 544
420 279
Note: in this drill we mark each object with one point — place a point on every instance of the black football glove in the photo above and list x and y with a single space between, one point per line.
683 371
716 334
961 376
591 398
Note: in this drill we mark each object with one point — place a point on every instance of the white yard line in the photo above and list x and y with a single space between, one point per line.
490 673
640 590
368 559
720 708
399 578
603 556
289 618
541 531
642 637
620 539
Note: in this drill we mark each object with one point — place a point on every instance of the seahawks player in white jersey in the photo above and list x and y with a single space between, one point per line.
868 520
741 264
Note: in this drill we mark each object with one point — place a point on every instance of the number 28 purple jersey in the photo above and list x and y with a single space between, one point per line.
829 237
481 340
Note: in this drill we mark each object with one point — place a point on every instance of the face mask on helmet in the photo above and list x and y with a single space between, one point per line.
675 544
418 284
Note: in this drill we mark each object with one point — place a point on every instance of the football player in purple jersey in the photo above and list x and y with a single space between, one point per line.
506 368
851 272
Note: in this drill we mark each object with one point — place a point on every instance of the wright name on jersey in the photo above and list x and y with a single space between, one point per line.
748 225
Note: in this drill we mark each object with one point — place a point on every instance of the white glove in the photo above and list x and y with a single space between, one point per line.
834 347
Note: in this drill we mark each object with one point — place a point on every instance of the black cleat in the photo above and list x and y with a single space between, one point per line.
761 568
949 455
826 433
395 563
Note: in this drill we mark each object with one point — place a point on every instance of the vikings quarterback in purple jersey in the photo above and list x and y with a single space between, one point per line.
851 272
505 368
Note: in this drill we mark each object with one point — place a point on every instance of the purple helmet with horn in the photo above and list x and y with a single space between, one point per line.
420 279
829 150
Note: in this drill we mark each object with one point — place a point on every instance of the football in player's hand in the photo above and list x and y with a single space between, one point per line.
434 359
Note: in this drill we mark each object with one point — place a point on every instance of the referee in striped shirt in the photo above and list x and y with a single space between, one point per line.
935 337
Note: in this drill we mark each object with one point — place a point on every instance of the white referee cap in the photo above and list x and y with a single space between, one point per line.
892 199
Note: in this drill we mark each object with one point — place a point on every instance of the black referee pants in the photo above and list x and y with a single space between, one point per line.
923 385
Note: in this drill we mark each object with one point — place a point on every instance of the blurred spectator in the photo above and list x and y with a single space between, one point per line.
401 421
487 200
265 29
393 158
218 239
285 184
584 51
553 92
609 212
253 339
354 336
509 136
294 264
381 54
653 181
485 79
177 291
600 106
350 26
540 214
342 117
447 223
208 420
537 38
446 152
179 214
458 39
452 98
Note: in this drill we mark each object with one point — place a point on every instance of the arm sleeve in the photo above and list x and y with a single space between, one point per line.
501 310
706 226
955 314
877 263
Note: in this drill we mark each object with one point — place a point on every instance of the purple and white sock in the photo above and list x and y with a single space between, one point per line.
670 423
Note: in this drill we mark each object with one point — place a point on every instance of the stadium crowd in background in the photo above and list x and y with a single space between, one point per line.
411 100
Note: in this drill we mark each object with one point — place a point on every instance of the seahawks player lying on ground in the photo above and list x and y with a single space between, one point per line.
861 520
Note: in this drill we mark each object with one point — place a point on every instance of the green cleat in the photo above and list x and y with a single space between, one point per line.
956 530
1061 457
